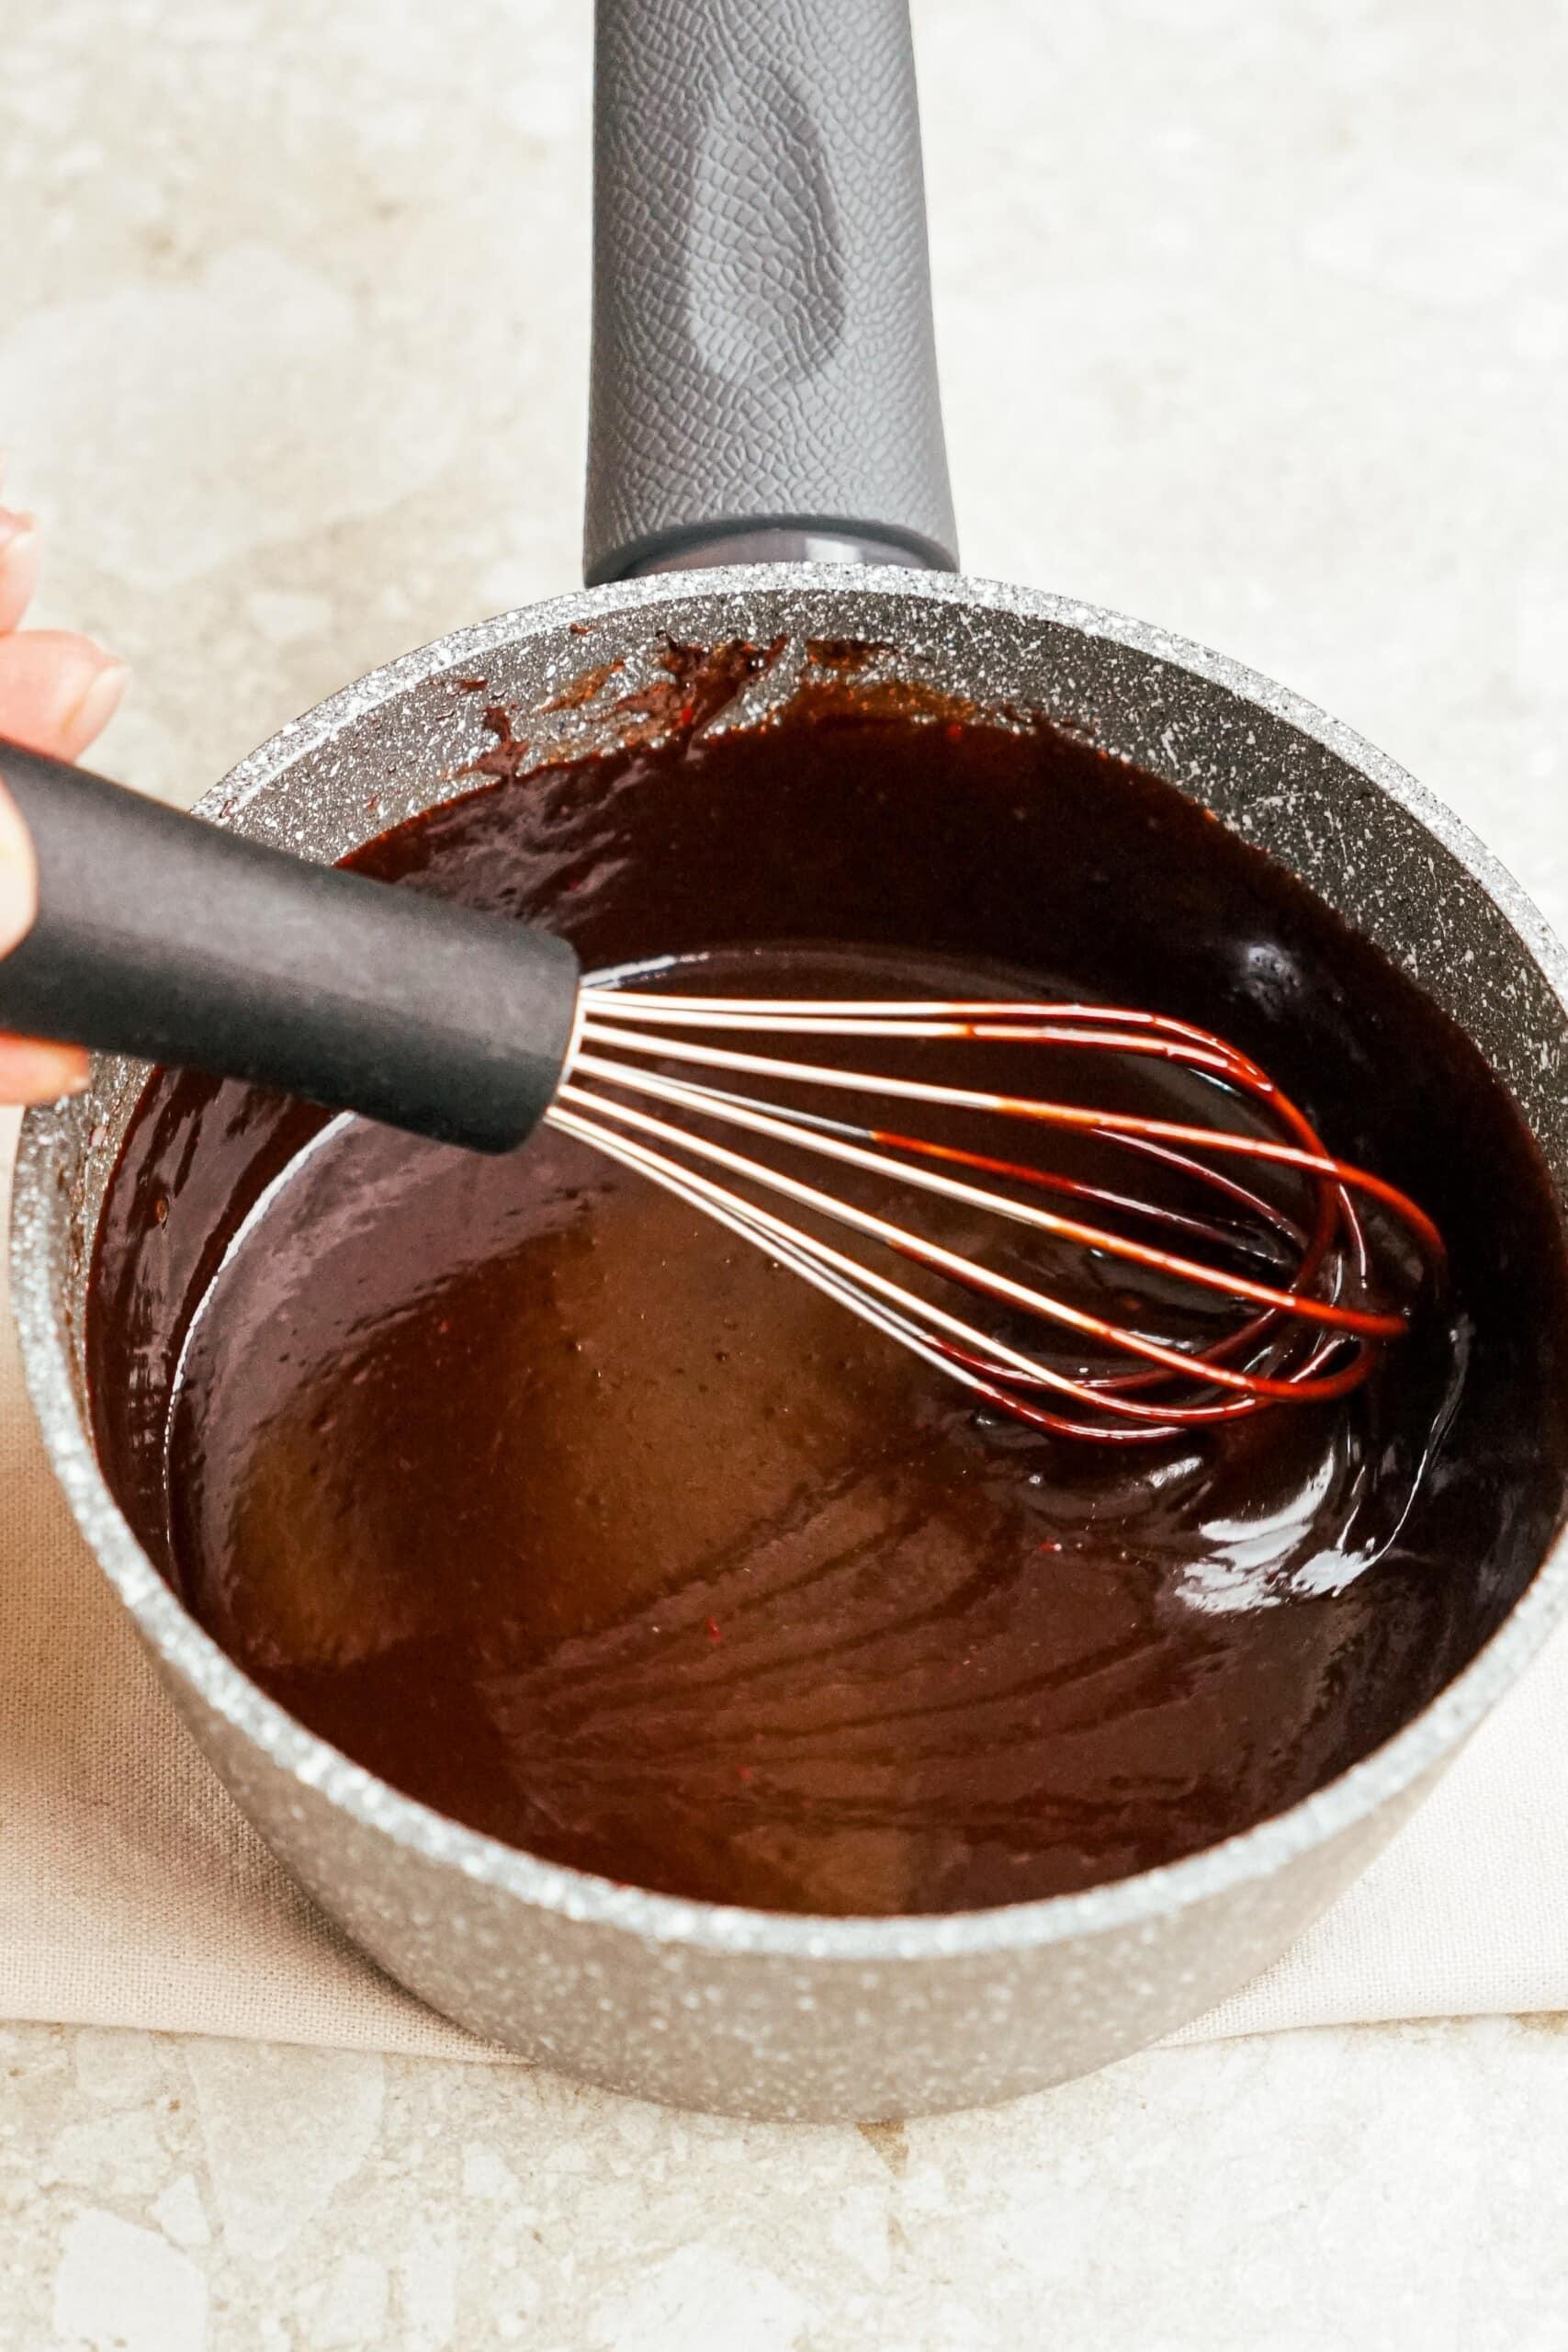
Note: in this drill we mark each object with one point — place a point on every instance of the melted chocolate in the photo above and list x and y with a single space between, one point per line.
575 1518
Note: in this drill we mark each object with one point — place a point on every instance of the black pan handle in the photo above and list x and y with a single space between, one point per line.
162 936
763 368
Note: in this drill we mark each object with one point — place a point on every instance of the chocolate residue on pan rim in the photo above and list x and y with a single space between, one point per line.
672 689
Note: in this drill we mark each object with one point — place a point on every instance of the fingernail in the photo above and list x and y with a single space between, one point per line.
96 704
18 875
15 527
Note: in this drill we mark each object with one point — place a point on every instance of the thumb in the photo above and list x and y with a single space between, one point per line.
29 1072
18 875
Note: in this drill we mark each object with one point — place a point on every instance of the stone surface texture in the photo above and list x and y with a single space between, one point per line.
1252 319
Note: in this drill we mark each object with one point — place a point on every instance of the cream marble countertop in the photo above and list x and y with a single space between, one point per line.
1254 319
1392 2189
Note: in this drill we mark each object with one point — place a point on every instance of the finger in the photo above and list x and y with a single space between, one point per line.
57 691
29 1071
32 1072
18 565
18 875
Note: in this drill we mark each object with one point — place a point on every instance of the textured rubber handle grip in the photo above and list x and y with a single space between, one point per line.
162 936
763 347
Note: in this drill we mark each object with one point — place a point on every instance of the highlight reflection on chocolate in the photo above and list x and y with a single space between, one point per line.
573 1517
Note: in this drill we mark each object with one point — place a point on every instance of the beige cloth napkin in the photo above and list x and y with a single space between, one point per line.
133 1893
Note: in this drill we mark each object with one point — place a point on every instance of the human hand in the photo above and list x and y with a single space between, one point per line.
57 692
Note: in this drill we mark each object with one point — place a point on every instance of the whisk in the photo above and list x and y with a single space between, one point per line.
1310 1333
162 936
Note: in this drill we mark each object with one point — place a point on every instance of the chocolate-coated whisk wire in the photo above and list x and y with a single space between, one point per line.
1305 1329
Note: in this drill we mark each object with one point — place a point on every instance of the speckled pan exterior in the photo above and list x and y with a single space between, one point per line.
749 2012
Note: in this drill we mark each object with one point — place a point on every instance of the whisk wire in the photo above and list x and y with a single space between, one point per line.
1300 1338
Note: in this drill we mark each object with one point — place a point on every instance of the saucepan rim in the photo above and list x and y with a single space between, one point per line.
190 1655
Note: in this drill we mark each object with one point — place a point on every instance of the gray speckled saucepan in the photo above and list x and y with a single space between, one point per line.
763 391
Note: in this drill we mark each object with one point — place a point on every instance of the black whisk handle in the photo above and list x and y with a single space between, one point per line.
174 940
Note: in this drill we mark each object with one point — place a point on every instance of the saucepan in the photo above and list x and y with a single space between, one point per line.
767 463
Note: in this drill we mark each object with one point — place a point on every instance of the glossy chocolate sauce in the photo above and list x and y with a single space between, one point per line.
574 1517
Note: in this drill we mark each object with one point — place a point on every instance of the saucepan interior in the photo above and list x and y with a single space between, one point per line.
1347 825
